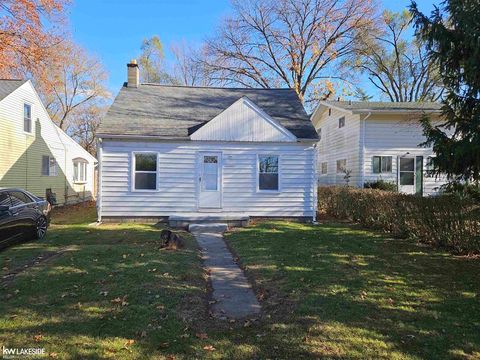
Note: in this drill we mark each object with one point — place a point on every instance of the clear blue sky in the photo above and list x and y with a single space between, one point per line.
114 29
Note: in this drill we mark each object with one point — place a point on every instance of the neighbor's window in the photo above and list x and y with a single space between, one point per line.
341 122
329 112
27 118
382 164
80 170
341 166
320 134
49 166
268 172
324 168
145 171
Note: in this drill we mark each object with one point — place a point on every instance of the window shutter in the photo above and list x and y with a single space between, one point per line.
376 164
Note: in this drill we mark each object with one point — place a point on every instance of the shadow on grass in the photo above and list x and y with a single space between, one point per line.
358 294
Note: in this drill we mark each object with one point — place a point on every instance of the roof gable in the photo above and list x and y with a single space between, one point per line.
243 121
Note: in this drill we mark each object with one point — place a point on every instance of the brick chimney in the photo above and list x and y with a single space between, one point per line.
133 75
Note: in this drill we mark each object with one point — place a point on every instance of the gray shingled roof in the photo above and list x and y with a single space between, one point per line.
360 106
9 86
175 112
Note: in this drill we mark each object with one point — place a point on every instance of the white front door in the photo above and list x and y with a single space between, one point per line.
210 180
406 175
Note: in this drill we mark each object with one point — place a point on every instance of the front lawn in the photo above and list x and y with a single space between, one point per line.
110 292
339 292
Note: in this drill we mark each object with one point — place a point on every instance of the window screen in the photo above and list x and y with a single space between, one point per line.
381 164
268 172
145 171
27 118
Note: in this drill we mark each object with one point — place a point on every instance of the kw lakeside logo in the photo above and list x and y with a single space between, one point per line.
12 353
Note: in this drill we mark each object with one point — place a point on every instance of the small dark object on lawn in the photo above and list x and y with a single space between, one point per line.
171 240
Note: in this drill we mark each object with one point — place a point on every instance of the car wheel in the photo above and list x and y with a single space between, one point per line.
41 228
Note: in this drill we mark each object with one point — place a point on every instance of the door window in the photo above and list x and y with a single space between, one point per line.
210 173
19 198
407 171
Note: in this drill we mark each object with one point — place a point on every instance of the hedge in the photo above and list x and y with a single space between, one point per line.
445 221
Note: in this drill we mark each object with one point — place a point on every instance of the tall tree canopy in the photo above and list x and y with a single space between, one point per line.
72 83
397 64
28 30
298 44
452 34
152 62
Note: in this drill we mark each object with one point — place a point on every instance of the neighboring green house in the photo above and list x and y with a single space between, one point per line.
35 154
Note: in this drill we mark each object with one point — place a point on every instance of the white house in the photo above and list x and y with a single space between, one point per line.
168 151
375 140
35 154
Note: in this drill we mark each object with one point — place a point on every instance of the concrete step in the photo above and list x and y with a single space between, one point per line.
207 228
182 221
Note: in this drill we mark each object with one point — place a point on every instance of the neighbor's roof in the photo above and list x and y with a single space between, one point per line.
379 106
8 86
175 112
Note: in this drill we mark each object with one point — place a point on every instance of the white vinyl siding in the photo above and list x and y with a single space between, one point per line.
343 143
178 179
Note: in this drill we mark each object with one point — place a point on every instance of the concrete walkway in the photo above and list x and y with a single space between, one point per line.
233 295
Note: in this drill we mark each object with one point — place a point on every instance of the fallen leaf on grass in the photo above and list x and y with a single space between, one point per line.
208 348
129 342
38 337
53 355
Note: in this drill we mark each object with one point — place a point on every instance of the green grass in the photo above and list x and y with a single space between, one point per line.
327 291
113 285
340 292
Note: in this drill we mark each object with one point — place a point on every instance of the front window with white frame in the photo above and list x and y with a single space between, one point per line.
49 166
268 173
80 170
381 164
145 171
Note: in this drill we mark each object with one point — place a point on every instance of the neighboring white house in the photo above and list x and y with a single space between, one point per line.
375 140
35 154
174 150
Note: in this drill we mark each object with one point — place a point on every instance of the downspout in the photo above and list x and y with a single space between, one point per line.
362 150
99 186
315 183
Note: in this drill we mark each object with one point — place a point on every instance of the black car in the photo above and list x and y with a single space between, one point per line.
23 216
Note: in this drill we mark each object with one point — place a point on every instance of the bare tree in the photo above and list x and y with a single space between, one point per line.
188 67
397 66
72 83
293 43
85 126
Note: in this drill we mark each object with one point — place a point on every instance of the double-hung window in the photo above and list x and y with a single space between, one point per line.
341 166
324 168
27 118
80 170
49 166
268 173
341 122
145 171
381 164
